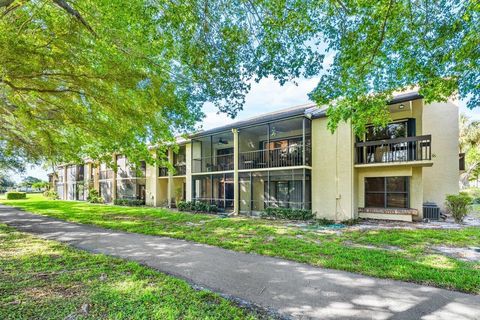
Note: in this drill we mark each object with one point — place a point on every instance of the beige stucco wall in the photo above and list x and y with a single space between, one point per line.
188 181
414 109
245 197
178 187
151 185
162 192
333 172
441 121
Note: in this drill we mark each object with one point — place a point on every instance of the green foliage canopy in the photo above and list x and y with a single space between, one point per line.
30 181
469 143
5 182
85 78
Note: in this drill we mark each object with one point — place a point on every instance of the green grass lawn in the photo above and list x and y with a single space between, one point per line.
412 259
42 279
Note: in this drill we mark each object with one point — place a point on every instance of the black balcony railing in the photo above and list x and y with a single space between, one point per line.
180 170
275 158
163 172
211 164
394 150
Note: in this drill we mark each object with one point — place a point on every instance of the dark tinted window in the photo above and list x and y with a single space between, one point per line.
391 131
386 192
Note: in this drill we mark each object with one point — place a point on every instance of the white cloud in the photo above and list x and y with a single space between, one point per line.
213 120
34 171
474 114
266 96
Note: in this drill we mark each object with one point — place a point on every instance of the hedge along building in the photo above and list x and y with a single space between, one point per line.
290 159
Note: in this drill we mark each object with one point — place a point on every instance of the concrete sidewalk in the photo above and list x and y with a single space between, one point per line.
292 289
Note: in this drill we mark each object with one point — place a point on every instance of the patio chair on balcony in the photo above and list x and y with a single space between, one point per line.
380 153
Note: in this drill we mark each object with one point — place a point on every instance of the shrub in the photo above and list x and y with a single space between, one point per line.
324 221
473 192
50 194
129 202
184 206
287 213
212 208
197 206
16 195
200 207
458 205
94 196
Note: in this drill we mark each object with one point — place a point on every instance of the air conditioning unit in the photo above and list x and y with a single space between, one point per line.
431 211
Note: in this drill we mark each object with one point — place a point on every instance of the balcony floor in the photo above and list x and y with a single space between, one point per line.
417 163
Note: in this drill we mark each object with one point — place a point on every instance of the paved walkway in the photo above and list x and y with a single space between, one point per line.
293 289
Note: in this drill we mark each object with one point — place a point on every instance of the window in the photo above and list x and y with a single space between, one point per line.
391 131
387 192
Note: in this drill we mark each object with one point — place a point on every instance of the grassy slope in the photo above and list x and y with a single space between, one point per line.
42 279
412 262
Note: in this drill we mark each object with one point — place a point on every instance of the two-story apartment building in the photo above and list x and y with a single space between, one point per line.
290 159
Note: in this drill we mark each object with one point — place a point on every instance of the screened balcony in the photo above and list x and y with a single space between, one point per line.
130 179
180 162
280 188
75 182
285 143
213 153
75 173
131 189
217 189
105 176
126 170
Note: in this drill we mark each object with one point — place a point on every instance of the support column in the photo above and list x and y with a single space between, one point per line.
114 179
152 187
236 187
96 176
65 185
170 186
87 178
188 173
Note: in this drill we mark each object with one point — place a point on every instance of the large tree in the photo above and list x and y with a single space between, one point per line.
85 78
29 181
469 143
5 182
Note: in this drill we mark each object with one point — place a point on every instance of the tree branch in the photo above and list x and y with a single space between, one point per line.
14 87
6 3
382 36
65 6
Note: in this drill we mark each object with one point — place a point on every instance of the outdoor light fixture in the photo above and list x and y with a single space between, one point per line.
401 106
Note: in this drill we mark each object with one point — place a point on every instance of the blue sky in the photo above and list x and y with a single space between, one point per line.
265 96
